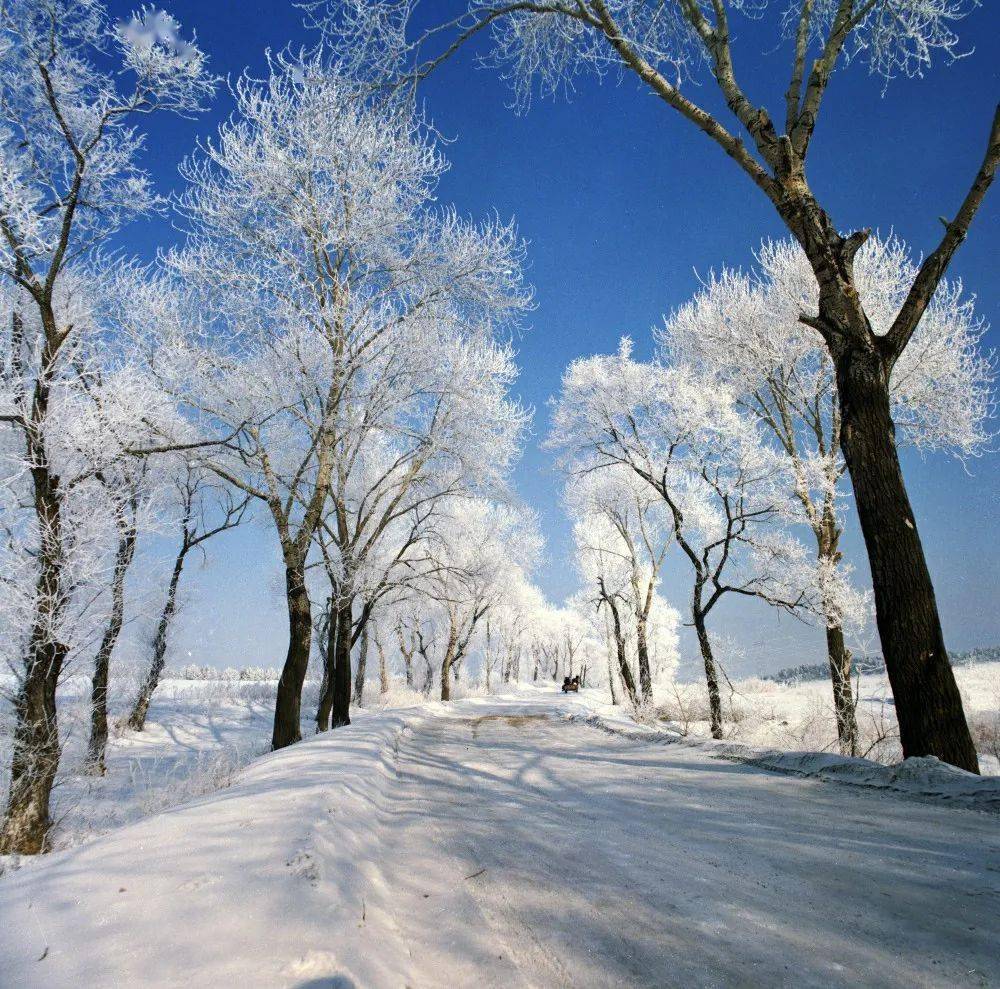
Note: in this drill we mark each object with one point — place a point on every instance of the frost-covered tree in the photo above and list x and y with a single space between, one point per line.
719 484
341 332
72 86
480 549
205 508
629 517
744 330
668 48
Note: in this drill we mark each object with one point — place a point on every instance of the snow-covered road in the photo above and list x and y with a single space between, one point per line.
605 862
494 845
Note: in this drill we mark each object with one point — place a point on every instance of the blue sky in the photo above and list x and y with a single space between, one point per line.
623 204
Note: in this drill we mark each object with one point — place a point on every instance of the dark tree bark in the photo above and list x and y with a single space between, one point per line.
928 703
340 712
619 637
446 661
288 703
708 658
140 709
36 753
98 743
329 655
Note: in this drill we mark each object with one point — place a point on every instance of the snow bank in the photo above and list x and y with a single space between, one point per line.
923 777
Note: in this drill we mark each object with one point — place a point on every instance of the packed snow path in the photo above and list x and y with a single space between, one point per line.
496 846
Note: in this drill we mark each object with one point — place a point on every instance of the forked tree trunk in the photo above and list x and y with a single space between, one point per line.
928 704
288 704
140 709
98 743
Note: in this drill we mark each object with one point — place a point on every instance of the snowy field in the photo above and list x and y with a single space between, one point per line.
201 734
799 717
522 840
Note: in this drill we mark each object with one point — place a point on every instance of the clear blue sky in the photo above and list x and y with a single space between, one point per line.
623 203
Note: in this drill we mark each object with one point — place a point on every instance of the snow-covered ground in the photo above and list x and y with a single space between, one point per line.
799 717
525 840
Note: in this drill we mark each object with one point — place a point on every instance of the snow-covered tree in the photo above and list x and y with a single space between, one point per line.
480 549
720 486
72 86
744 330
668 47
626 517
341 332
204 508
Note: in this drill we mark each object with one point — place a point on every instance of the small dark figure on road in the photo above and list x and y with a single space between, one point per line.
571 684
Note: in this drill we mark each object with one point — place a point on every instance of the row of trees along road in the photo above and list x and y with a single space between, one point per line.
668 46
327 346
327 350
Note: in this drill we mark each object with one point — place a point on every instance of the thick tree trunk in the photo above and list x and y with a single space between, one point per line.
36 751
36 755
288 704
340 712
98 743
711 676
140 709
928 703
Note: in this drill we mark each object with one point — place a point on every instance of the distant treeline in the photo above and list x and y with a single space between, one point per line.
875 664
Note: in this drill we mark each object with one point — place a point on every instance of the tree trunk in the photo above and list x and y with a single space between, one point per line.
36 751
288 704
36 757
340 713
137 719
359 678
928 704
325 705
383 669
626 672
642 648
98 743
611 669
711 677
446 662
843 693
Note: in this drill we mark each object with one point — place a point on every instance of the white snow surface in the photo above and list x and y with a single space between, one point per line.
527 840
